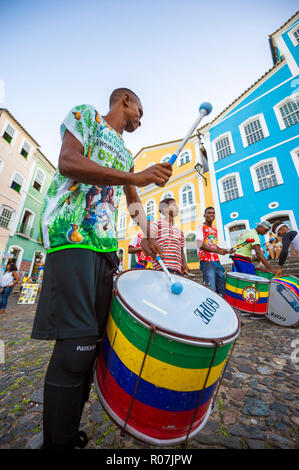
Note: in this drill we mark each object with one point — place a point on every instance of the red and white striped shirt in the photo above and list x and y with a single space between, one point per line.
172 241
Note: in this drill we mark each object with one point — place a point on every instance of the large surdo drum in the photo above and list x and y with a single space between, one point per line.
162 356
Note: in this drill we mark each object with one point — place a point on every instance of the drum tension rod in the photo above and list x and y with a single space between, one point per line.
217 343
223 372
152 331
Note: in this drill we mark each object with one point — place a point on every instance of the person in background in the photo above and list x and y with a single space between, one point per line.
142 259
8 281
289 237
242 258
170 239
274 248
208 251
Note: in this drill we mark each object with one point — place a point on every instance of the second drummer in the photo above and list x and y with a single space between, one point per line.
170 239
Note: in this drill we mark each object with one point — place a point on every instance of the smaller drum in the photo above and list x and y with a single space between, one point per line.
263 273
283 304
247 292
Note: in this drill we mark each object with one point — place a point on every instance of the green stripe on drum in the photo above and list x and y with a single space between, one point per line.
241 284
170 351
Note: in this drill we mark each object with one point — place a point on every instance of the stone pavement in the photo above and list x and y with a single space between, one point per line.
255 408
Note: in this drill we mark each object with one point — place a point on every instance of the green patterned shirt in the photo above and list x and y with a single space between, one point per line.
82 215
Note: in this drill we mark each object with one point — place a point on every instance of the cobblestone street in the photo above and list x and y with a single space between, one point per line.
256 406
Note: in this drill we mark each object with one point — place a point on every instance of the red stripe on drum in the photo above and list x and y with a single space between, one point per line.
246 306
147 420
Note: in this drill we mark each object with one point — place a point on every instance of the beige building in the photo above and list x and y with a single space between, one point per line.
17 148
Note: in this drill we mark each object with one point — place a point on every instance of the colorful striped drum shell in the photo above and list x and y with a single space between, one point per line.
283 304
247 292
172 380
262 273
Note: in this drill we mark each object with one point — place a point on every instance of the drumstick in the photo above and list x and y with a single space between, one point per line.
176 287
204 110
248 240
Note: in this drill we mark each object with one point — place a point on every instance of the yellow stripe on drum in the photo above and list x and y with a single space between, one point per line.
239 291
157 372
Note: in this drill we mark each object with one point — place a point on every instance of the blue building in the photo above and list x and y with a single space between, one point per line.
253 146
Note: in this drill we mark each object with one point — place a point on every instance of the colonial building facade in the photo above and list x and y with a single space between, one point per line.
25 175
253 146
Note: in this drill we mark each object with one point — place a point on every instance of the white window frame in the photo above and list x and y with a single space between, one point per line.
231 144
277 112
276 168
295 158
155 208
291 35
220 186
232 224
188 151
12 179
43 182
165 158
20 255
182 188
21 147
7 122
31 221
264 127
187 213
13 212
122 216
169 193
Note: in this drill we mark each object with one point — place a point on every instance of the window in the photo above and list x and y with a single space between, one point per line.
230 188
122 225
287 111
25 227
6 214
17 182
223 146
187 196
234 233
166 195
184 157
266 176
253 130
38 180
165 158
294 35
290 112
8 133
295 158
150 209
25 149
187 204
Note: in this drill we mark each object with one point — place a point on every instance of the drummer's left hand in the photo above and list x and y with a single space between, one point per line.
278 272
151 247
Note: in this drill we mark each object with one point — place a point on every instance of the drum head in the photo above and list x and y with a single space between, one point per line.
248 277
196 314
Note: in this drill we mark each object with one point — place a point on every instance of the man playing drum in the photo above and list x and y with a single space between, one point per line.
78 278
289 237
243 255
206 239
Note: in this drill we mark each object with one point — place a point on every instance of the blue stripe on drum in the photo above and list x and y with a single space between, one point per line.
234 295
148 393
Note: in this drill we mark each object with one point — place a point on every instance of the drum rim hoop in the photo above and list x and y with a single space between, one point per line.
261 280
169 333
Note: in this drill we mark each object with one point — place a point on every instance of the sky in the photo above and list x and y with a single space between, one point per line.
174 55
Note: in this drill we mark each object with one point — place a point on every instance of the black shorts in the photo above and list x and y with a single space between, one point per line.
76 294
